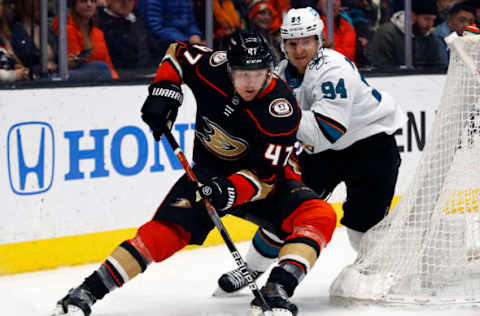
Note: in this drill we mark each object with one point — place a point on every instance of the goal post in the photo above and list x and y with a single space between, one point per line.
427 250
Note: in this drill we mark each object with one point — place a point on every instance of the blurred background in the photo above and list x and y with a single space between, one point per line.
88 42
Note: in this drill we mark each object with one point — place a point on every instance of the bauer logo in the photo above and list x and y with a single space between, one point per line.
30 155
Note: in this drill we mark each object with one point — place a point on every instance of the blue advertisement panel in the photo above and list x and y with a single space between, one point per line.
80 160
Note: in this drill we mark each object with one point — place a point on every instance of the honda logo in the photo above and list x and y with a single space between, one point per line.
30 154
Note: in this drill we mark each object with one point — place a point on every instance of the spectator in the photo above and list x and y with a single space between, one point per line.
387 48
296 4
10 67
242 9
476 6
198 7
24 44
129 41
279 10
227 19
344 36
477 15
386 11
443 7
459 16
88 55
169 21
261 16
399 5
364 16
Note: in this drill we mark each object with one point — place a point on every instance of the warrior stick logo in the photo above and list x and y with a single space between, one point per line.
30 154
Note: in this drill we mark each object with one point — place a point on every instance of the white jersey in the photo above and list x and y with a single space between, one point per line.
338 106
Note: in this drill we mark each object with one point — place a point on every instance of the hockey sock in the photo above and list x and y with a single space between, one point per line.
311 226
95 284
155 241
264 250
296 258
288 275
125 262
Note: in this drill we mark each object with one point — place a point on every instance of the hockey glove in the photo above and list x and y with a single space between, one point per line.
161 106
219 191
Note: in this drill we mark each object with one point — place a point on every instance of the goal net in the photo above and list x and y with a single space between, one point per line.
427 250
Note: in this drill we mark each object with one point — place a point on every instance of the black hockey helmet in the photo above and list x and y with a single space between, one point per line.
248 51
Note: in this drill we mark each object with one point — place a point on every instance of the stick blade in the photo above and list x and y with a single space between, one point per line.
221 293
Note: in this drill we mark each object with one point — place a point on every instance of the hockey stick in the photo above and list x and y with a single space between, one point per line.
212 212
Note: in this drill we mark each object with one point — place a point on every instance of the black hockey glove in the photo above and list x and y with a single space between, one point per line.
161 106
219 191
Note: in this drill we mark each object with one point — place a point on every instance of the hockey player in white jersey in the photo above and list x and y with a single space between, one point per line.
346 131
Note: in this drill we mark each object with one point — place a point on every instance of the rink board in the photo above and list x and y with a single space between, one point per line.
79 171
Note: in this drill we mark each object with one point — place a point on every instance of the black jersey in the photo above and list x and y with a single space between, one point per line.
248 142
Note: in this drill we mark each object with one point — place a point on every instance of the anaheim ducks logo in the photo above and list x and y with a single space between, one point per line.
220 143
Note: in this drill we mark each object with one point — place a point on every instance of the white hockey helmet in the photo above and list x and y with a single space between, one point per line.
301 22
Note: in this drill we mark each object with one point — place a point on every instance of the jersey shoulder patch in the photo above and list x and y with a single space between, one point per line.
218 58
276 113
280 108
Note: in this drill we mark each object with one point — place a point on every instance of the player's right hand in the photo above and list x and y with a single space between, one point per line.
161 106
219 191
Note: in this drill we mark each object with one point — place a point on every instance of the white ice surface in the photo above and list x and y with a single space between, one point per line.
182 285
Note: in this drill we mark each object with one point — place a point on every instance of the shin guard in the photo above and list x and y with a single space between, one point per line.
311 227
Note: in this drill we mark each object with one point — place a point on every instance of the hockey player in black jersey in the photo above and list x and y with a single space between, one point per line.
245 131
347 129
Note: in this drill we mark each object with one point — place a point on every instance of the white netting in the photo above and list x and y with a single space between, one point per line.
427 250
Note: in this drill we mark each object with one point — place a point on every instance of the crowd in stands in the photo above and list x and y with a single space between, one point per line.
111 39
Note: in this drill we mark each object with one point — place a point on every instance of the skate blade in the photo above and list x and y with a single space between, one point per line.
58 311
221 293
257 311
72 311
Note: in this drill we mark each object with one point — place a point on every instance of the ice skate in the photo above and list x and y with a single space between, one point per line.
232 282
76 303
277 299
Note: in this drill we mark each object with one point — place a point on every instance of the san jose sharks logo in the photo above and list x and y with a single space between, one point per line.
318 60
219 142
